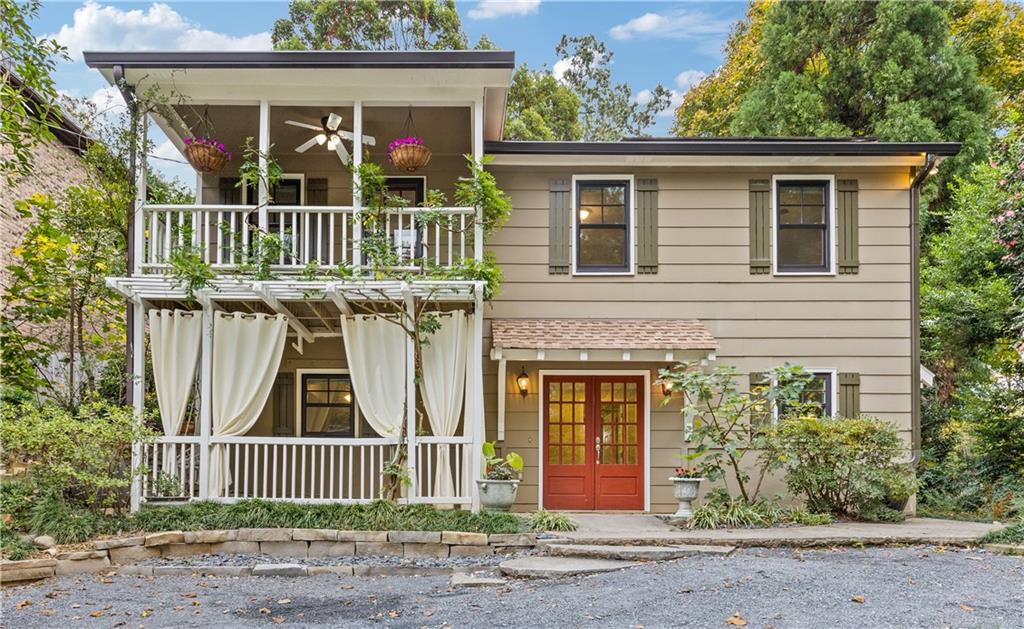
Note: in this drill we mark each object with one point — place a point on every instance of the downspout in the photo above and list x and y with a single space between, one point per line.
128 93
915 305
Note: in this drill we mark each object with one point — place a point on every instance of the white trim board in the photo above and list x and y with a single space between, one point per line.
594 372
630 231
833 228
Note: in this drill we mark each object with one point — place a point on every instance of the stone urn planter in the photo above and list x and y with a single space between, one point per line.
497 495
685 489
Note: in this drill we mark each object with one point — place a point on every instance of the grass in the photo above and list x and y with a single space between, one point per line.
548 521
13 546
1012 534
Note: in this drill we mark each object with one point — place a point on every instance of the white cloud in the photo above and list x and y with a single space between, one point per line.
166 160
688 78
684 81
103 27
561 67
490 9
678 24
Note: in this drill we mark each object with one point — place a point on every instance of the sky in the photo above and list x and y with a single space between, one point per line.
671 43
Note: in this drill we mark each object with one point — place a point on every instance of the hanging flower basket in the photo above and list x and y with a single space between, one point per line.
408 153
206 154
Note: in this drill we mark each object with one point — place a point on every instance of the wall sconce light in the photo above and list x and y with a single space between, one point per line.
666 387
523 382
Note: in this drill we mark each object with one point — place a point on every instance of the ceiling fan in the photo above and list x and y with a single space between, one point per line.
330 135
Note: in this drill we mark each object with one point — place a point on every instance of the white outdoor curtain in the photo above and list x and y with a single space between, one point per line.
442 387
247 352
174 337
376 353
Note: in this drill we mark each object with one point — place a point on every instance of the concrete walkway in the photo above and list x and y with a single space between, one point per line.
650 530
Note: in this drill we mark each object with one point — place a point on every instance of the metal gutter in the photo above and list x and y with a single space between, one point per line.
287 59
931 161
723 146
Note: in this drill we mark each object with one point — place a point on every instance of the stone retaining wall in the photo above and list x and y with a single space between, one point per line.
274 542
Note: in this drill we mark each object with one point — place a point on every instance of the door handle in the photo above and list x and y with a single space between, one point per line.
597 447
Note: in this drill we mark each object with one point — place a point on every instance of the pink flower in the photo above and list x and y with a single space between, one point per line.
1000 219
1010 214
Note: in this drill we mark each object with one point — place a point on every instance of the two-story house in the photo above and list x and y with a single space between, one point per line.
619 258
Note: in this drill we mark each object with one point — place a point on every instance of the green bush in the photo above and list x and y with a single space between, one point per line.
845 466
547 521
12 545
1012 534
82 458
722 511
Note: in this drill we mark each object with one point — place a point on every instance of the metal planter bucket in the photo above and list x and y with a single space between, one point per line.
497 495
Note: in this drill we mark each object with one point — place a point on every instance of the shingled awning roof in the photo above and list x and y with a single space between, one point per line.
601 334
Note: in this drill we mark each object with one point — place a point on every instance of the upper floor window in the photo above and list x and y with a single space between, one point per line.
803 225
604 234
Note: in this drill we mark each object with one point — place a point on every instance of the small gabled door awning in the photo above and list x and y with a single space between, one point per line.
595 340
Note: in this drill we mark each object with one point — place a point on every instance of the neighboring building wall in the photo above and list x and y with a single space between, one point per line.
55 167
853 323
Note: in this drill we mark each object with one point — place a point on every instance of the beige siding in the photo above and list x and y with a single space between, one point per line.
857 323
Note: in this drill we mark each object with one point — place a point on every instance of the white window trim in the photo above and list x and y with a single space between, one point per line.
301 177
356 417
648 400
833 245
833 375
630 233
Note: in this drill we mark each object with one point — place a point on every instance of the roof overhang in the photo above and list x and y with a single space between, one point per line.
375 78
740 152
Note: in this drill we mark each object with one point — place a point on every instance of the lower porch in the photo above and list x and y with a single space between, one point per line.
327 411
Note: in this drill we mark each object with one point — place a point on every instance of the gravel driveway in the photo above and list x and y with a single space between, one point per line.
876 587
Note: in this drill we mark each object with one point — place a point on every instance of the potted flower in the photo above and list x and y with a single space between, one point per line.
408 153
686 487
501 479
206 154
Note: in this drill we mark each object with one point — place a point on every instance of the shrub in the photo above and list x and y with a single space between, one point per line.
548 521
14 547
83 458
844 466
721 511
1012 534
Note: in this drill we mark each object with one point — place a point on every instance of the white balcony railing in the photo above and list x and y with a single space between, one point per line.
224 235
301 469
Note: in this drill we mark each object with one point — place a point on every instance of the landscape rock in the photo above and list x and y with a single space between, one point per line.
315 535
362 536
25 574
470 551
379 548
279 570
425 550
512 539
186 550
119 542
332 549
555 567
463 539
264 535
415 537
460 579
285 549
25 564
81 566
166 537
82 554
211 537
43 542
130 554
342 571
236 548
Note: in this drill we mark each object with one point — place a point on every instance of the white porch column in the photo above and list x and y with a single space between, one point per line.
477 421
410 399
138 395
205 399
357 196
263 191
478 155
140 198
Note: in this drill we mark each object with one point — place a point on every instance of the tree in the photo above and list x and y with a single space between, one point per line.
607 111
370 25
541 108
709 107
992 31
23 121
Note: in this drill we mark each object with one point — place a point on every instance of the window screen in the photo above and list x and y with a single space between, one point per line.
602 219
802 220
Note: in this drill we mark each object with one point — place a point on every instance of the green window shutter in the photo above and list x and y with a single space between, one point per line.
849 395
559 226
762 412
849 226
284 405
760 226
647 225
316 191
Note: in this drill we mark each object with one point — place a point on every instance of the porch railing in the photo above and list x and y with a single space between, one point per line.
302 469
224 235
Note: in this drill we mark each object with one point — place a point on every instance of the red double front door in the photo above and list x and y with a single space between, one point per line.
593 442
